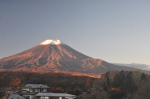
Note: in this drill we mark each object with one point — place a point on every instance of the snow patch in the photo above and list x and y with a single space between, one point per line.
53 42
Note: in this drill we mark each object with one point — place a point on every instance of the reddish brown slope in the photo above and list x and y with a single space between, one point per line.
43 56
57 57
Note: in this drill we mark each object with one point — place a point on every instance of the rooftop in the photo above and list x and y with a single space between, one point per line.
35 86
55 94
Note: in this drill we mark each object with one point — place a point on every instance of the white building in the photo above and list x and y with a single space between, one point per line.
36 88
54 96
30 90
38 91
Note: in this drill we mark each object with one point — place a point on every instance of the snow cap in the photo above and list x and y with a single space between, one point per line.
51 41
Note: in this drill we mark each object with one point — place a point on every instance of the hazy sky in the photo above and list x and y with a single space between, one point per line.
116 31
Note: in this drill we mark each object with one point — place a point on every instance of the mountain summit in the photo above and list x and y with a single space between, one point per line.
55 56
49 41
50 55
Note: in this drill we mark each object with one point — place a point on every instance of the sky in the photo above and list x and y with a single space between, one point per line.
117 31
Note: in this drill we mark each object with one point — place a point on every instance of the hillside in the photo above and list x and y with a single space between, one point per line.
54 56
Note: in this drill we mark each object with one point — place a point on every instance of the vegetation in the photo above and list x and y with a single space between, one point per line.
58 82
111 85
120 85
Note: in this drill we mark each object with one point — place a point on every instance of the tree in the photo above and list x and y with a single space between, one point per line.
15 83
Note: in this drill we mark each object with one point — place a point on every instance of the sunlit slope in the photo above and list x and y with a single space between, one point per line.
56 56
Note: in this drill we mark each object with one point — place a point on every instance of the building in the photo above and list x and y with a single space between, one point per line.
35 88
30 90
15 96
54 96
38 91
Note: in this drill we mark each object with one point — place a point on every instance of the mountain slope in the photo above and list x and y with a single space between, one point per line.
52 55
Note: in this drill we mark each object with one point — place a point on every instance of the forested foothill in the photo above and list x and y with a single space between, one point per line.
11 81
111 85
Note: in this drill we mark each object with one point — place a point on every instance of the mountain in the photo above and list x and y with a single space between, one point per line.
135 65
55 56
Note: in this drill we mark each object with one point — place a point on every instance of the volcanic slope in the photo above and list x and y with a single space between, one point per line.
52 55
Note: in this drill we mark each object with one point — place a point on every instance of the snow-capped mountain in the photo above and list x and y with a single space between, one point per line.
53 55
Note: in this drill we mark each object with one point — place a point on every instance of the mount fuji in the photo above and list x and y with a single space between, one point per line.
55 56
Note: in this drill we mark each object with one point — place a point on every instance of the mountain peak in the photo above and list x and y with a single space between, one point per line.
51 41
55 56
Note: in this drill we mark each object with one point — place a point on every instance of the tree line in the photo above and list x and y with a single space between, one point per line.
58 82
111 85
120 85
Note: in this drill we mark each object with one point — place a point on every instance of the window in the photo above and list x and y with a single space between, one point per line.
31 90
41 90
44 97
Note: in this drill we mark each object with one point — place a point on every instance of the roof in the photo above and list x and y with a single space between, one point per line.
15 96
55 94
25 92
35 86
